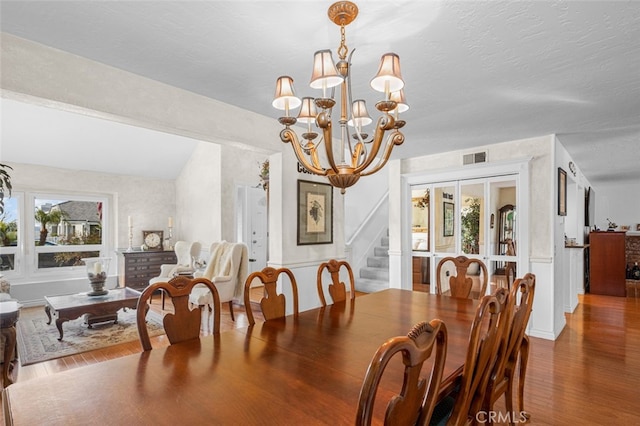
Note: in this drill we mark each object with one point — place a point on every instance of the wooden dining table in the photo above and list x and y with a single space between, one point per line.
294 370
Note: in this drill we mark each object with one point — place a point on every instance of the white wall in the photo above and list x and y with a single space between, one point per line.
198 196
619 202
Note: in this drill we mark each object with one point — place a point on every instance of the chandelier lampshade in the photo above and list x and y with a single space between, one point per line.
360 114
343 159
324 75
285 97
400 101
308 111
389 78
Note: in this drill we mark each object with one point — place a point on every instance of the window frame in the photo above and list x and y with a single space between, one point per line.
26 253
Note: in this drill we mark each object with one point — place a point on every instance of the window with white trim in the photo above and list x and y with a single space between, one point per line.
50 233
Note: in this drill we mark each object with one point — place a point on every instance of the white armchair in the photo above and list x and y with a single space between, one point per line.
186 252
227 268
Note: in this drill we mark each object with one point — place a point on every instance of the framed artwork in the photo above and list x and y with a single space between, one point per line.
562 192
315 213
447 217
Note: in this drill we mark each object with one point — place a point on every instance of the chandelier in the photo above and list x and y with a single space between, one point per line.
344 162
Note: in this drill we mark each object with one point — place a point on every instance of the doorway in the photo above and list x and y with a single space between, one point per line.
252 224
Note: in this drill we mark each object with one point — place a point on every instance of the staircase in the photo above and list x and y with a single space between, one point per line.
375 276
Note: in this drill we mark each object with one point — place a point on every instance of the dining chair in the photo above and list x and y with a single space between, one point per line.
461 406
273 305
183 324
462 283
514 345
337 289
417 398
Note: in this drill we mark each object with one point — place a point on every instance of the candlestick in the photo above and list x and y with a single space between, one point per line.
130 248
170 244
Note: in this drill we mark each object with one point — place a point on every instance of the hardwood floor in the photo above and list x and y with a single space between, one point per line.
589 375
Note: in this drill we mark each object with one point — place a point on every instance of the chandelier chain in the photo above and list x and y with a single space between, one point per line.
343 49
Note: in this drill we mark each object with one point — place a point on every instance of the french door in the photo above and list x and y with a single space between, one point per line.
476 218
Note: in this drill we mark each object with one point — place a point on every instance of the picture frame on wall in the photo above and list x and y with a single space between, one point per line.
315 213
447 218
562 192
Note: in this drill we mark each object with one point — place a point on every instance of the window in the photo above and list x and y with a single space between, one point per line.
66 230
43 233
10 233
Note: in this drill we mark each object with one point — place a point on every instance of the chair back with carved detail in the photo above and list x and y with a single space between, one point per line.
516 346
482 350
184 323
418 396
337 289
462 284
273 305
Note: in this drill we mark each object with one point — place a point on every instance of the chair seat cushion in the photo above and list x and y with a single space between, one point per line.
442 411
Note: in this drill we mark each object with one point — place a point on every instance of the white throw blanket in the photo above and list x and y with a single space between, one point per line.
221 262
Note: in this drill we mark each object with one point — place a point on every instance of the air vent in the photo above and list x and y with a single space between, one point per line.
476 157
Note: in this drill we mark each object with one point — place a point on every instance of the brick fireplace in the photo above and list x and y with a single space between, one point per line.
632 250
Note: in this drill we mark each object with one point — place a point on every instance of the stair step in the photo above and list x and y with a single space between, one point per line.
384 241
370 286
378 262
381 274
381 251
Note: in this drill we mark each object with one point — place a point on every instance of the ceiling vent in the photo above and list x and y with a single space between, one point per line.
473 158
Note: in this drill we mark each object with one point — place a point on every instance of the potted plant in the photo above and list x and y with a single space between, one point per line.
470 221
5 184
264 174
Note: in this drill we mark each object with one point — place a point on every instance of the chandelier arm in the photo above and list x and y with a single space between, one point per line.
287 135
356 153
385 122
315 160
395 138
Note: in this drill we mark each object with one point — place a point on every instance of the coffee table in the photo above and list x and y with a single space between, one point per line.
98 308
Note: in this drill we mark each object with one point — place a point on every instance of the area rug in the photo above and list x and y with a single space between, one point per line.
39 342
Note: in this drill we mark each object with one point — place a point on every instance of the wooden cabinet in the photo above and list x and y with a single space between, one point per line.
607 263
136 268
420 270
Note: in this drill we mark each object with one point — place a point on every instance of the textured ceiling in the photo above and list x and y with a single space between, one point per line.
476 72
